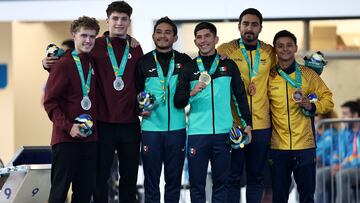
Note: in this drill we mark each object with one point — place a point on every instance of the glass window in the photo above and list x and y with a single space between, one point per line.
335 35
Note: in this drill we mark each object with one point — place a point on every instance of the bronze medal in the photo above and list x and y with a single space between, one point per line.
252 88
297 95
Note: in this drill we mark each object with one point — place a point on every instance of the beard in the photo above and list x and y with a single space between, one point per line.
249 36
163 47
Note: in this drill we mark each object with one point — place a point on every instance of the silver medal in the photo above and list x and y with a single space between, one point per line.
118 84
85 103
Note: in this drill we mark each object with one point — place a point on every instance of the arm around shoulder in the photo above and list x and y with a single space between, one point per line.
182 94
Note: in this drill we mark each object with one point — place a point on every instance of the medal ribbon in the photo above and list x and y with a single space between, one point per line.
164 84
213 65
84 86
296 84
118 70
255 69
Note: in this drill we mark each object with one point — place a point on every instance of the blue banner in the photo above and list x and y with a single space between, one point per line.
3 76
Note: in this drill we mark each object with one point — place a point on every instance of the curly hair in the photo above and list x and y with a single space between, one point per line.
85 22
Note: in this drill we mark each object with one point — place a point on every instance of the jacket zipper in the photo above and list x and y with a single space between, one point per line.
213 108
251 109
288 110
168 101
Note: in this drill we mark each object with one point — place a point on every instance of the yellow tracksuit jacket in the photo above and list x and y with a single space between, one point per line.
258 103
291 129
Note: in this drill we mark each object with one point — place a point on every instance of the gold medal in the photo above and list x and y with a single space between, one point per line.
252 88
297 95
205 77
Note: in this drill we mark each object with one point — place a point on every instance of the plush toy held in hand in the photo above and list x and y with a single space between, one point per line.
53 50
146 101
86 124
237 138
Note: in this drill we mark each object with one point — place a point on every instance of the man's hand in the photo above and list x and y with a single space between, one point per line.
145 113
305 103
134 43
223 57
49 61
198 88
75 131
248 130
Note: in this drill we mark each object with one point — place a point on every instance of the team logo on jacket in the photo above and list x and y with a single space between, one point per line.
179 65
145 149
192 152
129 56
197 73
223 69
152 70
263 61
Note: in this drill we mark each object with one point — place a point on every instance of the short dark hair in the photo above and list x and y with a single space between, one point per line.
86 22
166 20
251 11
205 25
69 43
284 33
120 7
354 106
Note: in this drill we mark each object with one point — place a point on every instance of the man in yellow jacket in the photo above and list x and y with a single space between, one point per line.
254 59
293 142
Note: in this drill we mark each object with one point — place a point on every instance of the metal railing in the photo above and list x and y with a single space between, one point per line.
341 186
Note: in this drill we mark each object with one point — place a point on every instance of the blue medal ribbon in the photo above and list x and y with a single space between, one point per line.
164 82
118 70
255 69
296 84
85 86
213 65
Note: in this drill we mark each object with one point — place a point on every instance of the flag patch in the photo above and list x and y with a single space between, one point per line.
179 65
223 69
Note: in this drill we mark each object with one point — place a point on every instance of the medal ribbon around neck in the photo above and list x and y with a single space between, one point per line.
296 84
213 65
118 70
255 69
85 86
164 84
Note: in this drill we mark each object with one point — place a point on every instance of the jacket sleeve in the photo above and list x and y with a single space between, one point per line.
55 87
325 101
139 79
182 94
239 96
223 50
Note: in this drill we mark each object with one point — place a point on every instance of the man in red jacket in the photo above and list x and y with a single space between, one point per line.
117 120
70 92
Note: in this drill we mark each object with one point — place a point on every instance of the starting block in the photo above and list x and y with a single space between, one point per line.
27 177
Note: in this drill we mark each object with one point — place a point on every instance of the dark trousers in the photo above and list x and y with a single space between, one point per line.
201 149
255 156
168 148
125 139
73 163
299 162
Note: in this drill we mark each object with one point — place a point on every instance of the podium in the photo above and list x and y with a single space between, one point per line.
27 176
